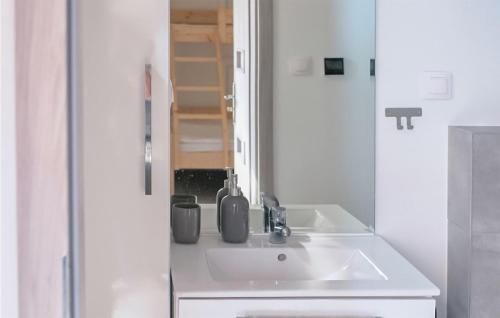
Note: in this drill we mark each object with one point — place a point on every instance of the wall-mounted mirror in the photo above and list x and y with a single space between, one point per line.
299 120
281 91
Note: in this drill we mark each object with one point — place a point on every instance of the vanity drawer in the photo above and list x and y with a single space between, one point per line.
306 308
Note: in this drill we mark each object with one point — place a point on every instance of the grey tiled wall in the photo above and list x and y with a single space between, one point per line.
474 222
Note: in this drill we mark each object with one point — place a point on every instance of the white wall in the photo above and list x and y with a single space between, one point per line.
126 234
324 125
411 175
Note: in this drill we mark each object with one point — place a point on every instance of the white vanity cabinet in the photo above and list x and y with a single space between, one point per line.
305 308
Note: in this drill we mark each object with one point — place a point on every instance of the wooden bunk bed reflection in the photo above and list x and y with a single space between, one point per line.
201 26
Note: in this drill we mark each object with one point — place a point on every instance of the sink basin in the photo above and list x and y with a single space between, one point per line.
306 266
290 264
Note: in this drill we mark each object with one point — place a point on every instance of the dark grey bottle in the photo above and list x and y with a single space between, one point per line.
222 193
234 216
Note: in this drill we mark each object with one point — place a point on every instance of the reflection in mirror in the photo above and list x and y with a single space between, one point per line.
324 125
201 59
283 91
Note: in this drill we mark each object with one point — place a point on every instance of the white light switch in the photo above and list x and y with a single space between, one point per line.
300 66
435 85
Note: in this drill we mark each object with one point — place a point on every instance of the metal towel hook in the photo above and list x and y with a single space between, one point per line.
408 113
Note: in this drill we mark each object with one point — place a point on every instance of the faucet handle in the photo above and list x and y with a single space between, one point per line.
279 217
279 214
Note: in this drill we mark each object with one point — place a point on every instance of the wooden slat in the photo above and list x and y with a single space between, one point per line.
225 24
200 88
222 23
198 113
229 35
193 16
203 160
200 116
229 16
192 38
194 28
195 59
186 113
199 33
193 33
199 109
201 16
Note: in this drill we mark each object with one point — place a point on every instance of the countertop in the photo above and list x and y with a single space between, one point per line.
192 279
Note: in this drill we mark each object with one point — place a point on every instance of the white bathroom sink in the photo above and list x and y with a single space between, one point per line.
310 266
290 264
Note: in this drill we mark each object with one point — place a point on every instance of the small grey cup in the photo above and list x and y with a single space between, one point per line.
181 198
186 222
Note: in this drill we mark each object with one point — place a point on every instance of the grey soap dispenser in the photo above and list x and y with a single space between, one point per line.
234 214
222 193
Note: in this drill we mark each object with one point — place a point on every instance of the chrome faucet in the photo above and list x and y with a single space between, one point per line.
269 201
278 223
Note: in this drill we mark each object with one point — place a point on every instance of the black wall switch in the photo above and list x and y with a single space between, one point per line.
334 66
372 67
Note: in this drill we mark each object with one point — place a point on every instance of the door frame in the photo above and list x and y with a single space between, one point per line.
261 99
74 275
8 179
